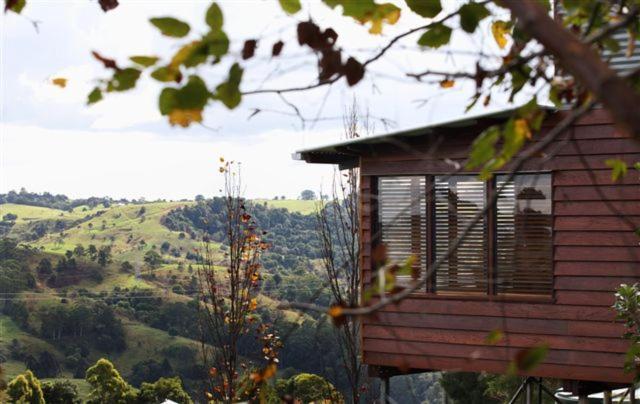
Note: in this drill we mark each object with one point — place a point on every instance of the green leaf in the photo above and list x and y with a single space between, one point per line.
516 131
145 61
171 27
470 16
483 147
94 96
436 36
124 79
618 168
165 74
228 92
532 113
167 100
527 359
290 6
554 97
214 18
194 94
494 337
519 77
216 44
17 6
425 8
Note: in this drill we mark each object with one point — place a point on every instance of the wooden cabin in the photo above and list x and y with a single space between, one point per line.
542 266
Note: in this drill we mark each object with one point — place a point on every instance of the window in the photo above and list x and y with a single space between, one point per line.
508 251
403 220
458 200
523 234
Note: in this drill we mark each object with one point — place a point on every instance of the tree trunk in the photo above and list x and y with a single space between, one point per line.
582 62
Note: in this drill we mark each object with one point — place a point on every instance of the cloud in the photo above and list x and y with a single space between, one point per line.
133 163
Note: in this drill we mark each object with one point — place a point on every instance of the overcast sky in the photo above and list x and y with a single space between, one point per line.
122 147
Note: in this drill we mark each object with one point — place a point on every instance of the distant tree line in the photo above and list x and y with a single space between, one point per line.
292 235
48 200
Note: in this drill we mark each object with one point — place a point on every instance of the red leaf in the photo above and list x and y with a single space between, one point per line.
108 63
249 49
107 5
8 4
277 48
354 71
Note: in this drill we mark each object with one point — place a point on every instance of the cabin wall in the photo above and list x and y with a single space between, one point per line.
595 251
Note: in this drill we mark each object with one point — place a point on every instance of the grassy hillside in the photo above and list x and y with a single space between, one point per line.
292 205
130 230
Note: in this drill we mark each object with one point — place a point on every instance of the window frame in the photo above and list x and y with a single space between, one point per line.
491 241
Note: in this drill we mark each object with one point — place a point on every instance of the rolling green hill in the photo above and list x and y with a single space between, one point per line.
292 205
150 303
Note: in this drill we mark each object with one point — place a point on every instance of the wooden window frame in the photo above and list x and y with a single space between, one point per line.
430 291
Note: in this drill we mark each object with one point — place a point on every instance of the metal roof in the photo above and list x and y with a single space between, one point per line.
345 153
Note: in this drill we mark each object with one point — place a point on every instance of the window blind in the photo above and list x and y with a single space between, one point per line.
402 218
457 200
523 235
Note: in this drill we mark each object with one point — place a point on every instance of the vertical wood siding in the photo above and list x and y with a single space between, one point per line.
595 250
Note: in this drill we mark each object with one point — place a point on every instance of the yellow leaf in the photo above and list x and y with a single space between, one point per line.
335 311
185 117
522 128
183 54
60 82
446 83
382 13
253 305
500 30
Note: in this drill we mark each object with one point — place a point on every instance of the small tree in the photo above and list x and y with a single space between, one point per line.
60 392
307 388
45 267
308 195
627 306
104 256
126 266
338 231
25 388
93 252
229 299
107 386
79 250
164 389
152 259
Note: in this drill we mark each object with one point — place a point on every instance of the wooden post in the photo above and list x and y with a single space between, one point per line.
583 399
528 393
606 397
384 389
632 394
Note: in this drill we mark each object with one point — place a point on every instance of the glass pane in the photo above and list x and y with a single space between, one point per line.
458 200
524 237
403 220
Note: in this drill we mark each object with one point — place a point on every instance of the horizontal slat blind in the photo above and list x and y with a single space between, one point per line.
457 201
403 220
524 241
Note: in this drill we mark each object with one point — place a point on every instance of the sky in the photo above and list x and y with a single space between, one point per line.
122 147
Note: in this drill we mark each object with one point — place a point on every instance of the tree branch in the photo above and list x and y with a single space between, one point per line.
582 62
372 59
534 150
